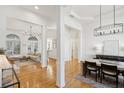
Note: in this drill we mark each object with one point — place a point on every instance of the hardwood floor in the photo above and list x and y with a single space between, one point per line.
72 69
34 76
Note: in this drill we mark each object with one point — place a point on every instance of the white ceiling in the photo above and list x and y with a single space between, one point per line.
22 26
83 11
91 11
47 11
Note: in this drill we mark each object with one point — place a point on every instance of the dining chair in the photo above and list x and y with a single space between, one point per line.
123 77
91 67
109 70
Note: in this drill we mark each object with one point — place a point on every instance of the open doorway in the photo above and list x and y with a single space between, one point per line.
72 44
72 53
51 49
74 47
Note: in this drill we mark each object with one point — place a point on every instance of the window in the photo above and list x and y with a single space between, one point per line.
32 44
13 44
54 43
51 44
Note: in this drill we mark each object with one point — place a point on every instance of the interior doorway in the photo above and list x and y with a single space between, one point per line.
72 53
74 48
72 44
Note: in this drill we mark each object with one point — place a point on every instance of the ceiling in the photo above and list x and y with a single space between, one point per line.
47 11
85 12
90 10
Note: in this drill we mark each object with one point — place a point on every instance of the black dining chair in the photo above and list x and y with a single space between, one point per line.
123 77
91 67
109 70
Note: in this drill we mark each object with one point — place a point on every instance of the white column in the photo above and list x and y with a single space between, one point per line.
0 78
3 31
44 47
83 45
80 50
3 27
60 48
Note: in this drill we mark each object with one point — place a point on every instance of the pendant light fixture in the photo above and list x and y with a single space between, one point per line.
114 14
100 19
110 28
32 33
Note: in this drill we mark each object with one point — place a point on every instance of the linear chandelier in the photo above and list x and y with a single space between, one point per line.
110 28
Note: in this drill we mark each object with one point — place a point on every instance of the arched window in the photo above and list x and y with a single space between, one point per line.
13 44
32 44
12 36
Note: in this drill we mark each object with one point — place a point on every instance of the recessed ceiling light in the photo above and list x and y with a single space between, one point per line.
36 7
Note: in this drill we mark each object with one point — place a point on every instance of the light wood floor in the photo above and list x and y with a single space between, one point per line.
33 76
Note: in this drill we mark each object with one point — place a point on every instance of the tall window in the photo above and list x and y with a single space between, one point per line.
13 44
32 44
51 44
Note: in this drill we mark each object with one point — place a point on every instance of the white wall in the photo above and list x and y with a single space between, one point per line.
67 45
92 41
19 27
20 30
7 12
71 41
28 16
51 34
76 27
71 35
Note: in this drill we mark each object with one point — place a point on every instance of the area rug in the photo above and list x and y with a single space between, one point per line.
109 82
24 63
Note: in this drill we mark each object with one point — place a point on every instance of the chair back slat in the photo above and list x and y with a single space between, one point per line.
91 64
109 67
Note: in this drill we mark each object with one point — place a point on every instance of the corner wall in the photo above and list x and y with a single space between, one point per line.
91 40
17 13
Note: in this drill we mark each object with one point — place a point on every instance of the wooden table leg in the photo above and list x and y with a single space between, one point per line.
83 68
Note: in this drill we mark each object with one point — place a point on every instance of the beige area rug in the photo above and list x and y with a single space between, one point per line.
107 83
24 63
